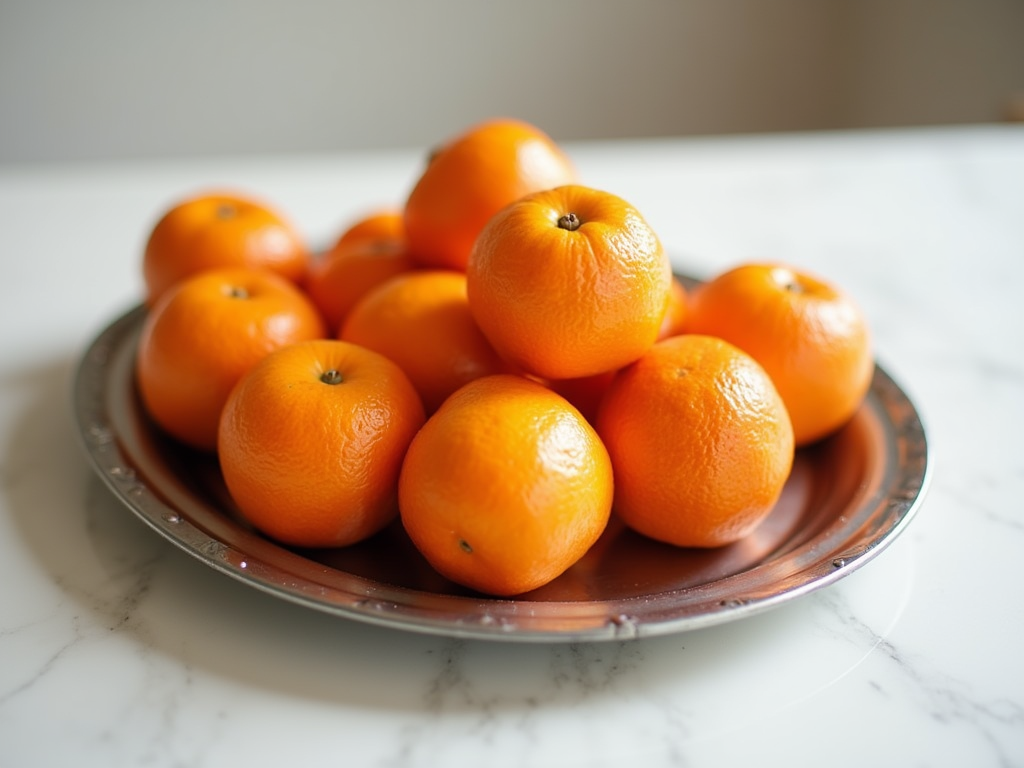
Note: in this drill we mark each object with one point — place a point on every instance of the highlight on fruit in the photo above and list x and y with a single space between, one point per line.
495 364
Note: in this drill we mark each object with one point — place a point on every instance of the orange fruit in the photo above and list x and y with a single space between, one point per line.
368 252
216 230
809 335
312 439
421 321
203 334
585 392
383 224
470 178
569 282
700 442
505 487
340 278
674 322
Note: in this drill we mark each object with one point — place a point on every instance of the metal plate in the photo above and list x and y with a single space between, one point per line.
846 499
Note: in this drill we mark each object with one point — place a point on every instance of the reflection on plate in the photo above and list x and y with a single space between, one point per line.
847 498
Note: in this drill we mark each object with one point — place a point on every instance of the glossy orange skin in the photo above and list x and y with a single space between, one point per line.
217 230
505 487
470 178
343 276
585 392
203 334
312 463
700 441
384 224
369 251
562 303
674 322
421 321
810 336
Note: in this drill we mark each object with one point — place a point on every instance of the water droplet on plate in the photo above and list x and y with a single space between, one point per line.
848 557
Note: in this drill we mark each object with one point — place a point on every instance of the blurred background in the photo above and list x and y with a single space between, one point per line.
97 80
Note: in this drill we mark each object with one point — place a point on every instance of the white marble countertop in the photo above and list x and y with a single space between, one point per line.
118 649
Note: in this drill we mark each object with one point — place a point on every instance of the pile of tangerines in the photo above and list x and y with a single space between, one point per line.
504 363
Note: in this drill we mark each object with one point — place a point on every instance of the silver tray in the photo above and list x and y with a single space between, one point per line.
846 499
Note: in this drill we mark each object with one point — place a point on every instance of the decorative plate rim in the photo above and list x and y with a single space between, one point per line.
852 540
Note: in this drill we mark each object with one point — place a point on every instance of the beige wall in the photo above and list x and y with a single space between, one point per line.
930 61
131 78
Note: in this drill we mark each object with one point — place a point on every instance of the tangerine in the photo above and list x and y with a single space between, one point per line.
340 278
216 230
700 442
505 487
382 224
809 335
584 392
312 439
203 334
470 178
421 321
569 282
674 322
